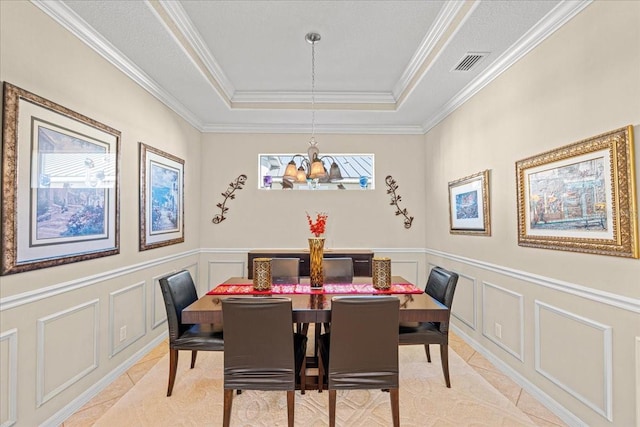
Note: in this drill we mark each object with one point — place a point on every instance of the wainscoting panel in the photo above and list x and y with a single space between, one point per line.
220 270
8 377
193 270
465 301
408 270
67 348
503 318
582 367
158 311
127 317
638 381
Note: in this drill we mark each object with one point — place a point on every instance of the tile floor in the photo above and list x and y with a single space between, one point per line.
540 415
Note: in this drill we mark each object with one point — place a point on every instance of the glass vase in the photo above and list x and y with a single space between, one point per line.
316 253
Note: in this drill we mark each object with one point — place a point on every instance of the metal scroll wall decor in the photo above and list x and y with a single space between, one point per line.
395 198
235 185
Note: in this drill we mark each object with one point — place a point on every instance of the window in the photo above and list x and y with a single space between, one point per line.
356 170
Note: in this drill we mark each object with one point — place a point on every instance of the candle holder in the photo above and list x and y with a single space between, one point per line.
262 274
381 273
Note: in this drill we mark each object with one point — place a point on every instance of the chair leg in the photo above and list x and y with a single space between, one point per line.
316 337
320 373
444 355
303 375
173 367
194 354
228 401
395 406
291 401
332 408
426 349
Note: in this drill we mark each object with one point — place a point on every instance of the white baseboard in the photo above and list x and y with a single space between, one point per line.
560 411
72 407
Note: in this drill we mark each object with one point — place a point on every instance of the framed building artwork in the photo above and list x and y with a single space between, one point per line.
469 208
581 197
161 198
60 184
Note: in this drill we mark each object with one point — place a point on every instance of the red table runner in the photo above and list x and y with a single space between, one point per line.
346 288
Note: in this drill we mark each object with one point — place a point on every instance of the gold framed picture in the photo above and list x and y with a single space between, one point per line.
469 211
581 197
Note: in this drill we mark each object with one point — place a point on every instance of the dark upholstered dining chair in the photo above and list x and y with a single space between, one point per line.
441 285
285 270
337 270
261 350
361 352
179 291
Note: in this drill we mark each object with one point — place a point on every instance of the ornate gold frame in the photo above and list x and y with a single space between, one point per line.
614 150
479 181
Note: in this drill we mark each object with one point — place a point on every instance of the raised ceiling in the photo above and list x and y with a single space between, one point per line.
244 66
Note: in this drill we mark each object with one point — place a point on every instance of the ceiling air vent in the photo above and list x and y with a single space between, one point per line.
469 61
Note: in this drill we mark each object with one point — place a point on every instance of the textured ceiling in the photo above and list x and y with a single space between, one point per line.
244 66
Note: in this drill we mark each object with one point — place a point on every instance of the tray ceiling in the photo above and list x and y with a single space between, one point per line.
244 66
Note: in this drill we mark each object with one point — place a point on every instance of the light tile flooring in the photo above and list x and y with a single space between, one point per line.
540 415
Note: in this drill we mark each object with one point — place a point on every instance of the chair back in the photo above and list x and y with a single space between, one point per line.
364 342
441 285
338 270
178 291
285 270
258 343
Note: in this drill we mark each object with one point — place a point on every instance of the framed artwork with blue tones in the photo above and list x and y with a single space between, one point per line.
469 211
581 197
161 198
60 184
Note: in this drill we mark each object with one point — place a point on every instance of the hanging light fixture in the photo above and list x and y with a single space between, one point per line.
312 167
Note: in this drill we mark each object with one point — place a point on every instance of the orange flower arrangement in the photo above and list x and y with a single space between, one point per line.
317 227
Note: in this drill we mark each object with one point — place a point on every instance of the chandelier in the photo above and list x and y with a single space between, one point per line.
312 167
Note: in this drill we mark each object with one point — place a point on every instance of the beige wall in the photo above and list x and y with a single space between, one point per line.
575 314
264 218
571 310
80 307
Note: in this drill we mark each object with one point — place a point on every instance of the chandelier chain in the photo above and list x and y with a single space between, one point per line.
313 88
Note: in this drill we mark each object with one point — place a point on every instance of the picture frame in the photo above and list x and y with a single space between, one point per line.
469 207
581 197
60 184
161 198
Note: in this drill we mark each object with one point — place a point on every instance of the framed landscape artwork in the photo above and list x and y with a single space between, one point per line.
469 211
60 185
581 197
161 198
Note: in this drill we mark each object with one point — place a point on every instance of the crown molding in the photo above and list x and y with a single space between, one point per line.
320 97
555 19
437 30
178 15
322 129
66 17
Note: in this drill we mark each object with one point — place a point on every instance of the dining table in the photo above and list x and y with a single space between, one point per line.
313 305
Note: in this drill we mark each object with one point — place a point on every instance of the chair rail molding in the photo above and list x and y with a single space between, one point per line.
17 300
615 300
